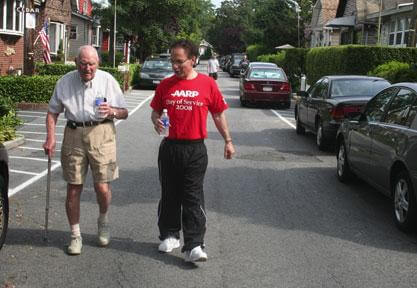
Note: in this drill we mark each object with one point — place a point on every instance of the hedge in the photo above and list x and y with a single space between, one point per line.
352 59
33 89
134 70
62 69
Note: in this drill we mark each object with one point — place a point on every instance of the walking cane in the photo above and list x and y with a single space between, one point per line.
48 189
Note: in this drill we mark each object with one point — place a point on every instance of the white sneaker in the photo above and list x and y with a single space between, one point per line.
169 244
74 248
103 233
195 255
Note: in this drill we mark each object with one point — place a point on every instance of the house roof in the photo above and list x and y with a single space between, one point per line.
286 46
346 21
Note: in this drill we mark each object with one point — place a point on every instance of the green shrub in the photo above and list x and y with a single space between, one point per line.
8 119
62 69
53 69
395 72
352 59
32 89
274 58
134 70
106 61
253 51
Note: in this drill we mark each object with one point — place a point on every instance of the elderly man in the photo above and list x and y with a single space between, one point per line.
90 99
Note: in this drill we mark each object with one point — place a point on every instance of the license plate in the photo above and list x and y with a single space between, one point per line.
156 81
267 89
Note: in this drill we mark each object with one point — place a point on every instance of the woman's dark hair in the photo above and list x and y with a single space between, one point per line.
189 47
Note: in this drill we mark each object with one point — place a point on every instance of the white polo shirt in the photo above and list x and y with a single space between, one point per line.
77 98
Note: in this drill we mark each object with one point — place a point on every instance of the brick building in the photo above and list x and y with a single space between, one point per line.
11 37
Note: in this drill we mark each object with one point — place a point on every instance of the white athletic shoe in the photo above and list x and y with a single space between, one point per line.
195 255
103 233
169 244
74 248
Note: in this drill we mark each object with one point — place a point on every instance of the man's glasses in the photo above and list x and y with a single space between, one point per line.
178 62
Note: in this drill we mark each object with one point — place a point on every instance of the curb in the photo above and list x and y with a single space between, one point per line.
32 106
19 140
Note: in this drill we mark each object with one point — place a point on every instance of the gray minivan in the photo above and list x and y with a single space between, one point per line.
380 146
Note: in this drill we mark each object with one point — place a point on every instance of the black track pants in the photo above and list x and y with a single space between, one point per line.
182 166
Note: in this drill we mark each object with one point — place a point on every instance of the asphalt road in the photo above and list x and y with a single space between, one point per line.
277 216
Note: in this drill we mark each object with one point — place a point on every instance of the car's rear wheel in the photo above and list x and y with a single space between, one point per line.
343 169
242 102
4 211
404 202
286 105
299 129
320 137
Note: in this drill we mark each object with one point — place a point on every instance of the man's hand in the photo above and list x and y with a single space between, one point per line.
49 147
229 150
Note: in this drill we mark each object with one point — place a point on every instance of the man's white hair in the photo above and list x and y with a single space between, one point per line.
90 48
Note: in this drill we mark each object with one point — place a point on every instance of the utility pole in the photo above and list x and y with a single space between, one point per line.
114 35
379 23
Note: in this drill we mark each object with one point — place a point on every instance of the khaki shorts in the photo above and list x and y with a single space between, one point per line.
94 146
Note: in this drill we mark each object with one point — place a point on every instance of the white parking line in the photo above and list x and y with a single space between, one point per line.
23 172
31 132
57 164
42 124
283 119
33 148
38 140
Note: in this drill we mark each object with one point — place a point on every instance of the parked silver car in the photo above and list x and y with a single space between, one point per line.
4 200
380 146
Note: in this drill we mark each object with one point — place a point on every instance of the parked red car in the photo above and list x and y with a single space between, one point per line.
268 85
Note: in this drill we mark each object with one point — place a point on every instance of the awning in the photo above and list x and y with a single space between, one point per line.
348 21
286 46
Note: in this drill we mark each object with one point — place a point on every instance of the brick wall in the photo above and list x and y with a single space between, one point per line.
11 53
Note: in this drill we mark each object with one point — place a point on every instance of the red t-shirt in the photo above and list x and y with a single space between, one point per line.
188 103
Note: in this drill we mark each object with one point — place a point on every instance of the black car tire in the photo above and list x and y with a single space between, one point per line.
343 170
4 211
321 140
286 105
404 206
299 129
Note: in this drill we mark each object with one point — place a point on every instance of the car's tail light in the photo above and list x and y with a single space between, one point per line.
249 86
285 87
342 111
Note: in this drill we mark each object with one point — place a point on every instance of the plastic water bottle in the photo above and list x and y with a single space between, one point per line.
165 122
97 102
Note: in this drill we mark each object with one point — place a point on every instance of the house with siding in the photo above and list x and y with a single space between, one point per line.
84 30
358 22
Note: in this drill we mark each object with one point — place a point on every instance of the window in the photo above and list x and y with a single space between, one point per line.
73 32
56 36
398 32
11 20
96 36
377 106
400 107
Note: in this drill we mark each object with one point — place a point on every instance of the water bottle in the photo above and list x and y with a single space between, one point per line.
165 123
97 102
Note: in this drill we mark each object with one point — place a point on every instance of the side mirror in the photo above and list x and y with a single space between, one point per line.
302 93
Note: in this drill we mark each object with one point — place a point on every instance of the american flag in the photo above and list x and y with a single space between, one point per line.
43 34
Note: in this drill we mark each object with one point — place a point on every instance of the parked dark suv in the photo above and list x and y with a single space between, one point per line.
380 146
4 199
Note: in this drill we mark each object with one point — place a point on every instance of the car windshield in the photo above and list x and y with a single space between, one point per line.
275 74
357 87
157 64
